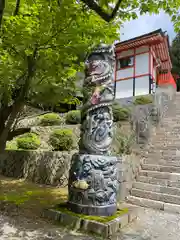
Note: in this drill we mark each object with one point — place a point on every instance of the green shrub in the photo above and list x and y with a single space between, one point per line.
62 139
73 117
11 145
50 119
124 143
142 100
120 113
28 141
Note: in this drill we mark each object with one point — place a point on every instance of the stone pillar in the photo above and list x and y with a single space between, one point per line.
93 180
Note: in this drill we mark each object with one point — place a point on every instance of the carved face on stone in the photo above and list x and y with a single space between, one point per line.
98 67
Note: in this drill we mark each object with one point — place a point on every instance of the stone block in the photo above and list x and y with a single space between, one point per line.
124 219
71 221
105 230
114 226
143 179
163 182
51 214
172 208
132 214
45 167
170 198
146 194
146 202
170 190
122 192
95 227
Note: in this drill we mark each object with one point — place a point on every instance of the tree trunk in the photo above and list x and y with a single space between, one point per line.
16 11
16 108
2 7
19 101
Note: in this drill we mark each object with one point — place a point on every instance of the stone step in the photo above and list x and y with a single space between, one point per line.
161 175
155 196
162 182
143 202
163 152
166 146
160 168
171 157
162 162
157 188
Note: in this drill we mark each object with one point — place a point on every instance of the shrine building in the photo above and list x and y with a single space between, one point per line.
143 63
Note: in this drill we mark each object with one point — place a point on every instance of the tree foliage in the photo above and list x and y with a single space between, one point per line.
127 9
175 54
42 45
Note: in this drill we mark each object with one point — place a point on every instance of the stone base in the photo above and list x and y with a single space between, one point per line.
93 184
78 223
93 210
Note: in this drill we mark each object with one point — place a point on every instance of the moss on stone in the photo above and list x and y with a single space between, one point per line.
63 208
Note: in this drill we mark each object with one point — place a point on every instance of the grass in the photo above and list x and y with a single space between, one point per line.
62 208
30 196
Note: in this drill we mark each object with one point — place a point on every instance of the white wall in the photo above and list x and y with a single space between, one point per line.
124 88
124 73
126 53
142 49
142 64
142 86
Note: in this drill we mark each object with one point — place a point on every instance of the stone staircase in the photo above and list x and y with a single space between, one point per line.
158 182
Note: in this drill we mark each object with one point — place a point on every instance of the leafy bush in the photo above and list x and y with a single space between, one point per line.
11 145
62 139
124 143
50 119
120 113
73 117
28 141
142 100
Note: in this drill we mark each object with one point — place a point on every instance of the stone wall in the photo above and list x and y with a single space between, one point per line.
129 166
145 118
43 167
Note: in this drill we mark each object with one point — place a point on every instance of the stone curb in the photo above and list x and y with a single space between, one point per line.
103 229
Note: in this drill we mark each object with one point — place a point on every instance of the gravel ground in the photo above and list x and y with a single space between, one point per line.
20 228
150 225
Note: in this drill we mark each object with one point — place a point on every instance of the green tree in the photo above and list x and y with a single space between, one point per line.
175 58
175 54
41 45
126 9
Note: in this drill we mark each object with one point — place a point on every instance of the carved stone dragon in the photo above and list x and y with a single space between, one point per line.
93 176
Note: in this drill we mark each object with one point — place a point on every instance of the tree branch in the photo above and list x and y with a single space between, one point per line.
95 7
16 11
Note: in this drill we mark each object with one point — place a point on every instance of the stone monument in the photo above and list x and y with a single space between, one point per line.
93 180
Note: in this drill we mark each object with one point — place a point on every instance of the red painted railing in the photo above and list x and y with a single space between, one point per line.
166 78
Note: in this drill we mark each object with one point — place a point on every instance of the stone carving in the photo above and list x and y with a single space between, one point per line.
93 176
